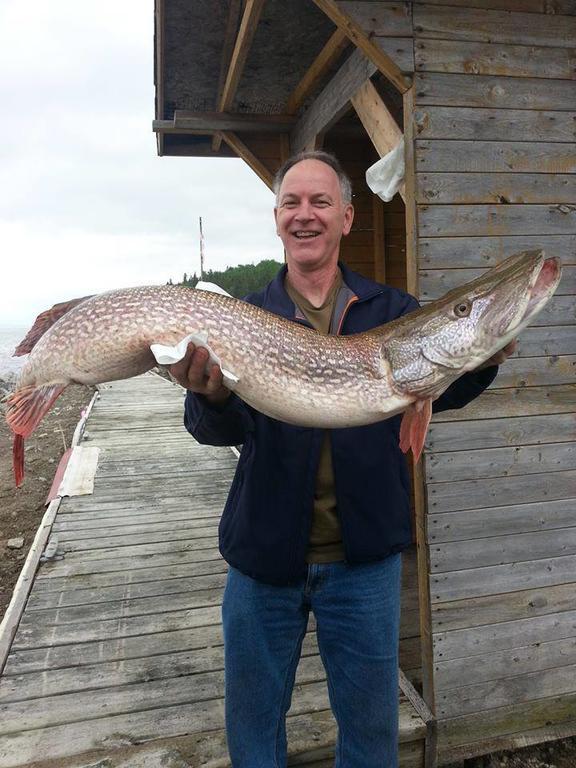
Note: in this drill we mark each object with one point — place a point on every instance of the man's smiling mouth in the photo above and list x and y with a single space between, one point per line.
303 234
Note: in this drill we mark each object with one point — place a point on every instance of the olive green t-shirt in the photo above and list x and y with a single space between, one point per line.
325 544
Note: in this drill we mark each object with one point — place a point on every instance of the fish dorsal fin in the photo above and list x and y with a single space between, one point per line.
414 427
202 285
43 322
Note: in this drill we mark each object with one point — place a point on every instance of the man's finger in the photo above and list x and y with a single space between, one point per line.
197 368
180 369
215 380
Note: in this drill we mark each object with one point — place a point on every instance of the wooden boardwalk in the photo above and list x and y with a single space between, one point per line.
118 658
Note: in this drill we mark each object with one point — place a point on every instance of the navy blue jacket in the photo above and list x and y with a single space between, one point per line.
265 526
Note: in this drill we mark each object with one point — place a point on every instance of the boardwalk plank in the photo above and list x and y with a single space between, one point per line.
121 640
102 594
165 721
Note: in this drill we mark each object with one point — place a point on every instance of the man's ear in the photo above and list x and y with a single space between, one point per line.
276 219
348 218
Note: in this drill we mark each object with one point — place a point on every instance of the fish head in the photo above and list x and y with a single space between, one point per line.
435 345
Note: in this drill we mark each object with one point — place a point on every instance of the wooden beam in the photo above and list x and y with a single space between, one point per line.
227 49
223 121
379 239
321 64
162 127
242 151
379 124
246 33
332 102
159 68
355 34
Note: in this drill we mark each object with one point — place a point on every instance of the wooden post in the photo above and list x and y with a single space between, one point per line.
420 507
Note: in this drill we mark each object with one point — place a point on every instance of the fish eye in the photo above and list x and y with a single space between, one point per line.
462 309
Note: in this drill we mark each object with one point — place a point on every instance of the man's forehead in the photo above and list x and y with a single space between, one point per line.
312 176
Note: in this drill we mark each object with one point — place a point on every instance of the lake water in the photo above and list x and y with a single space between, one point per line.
10 337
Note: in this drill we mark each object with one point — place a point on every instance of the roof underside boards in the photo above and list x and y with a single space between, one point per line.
288 38
194 44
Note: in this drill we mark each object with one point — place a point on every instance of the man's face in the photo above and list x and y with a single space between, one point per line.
311 216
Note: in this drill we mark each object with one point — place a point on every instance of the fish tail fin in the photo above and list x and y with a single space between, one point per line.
25 409
43 322
18 459
414 427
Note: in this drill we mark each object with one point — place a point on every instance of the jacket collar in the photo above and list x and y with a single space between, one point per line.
278 301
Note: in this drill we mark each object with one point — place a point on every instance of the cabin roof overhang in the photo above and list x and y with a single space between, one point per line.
231 70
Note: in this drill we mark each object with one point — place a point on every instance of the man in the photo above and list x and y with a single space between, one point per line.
314 519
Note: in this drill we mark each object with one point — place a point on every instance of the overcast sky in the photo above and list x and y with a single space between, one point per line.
86 204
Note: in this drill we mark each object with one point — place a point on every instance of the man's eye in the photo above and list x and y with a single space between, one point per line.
322 203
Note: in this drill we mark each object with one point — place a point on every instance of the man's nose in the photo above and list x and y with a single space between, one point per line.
305 211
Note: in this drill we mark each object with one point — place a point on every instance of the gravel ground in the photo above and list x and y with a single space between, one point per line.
22 509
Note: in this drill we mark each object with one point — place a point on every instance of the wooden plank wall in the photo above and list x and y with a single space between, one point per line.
358 249
495 161
495 154
376 248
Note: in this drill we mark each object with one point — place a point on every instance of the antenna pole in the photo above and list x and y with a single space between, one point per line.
201 251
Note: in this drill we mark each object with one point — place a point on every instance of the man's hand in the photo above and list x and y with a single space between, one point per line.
499 357
190 373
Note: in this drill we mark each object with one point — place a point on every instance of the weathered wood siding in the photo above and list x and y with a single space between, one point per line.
495 157
494 131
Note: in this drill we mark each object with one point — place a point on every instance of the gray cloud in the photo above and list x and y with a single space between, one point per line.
85 204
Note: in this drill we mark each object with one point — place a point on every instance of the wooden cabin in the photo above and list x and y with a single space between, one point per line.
483 93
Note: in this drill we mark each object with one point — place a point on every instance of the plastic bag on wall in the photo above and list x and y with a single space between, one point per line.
385 177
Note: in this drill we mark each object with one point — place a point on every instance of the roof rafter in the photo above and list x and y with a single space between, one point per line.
355 33
244 39
234 12
321 64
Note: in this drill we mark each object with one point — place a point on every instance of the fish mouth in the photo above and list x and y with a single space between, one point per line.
543 282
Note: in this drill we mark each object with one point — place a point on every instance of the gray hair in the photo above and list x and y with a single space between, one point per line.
323 157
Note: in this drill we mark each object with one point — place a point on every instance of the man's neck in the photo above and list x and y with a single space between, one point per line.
314 285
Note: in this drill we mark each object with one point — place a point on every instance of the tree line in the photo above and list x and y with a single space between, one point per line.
238 281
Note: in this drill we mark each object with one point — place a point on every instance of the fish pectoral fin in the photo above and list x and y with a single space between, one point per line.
167 355
25 409
414 427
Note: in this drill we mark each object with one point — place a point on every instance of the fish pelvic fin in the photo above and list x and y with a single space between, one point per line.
25 409
43 322
414 427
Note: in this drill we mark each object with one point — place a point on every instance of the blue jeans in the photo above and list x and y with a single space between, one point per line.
357 612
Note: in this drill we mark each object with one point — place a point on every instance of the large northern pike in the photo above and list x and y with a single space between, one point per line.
283 369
